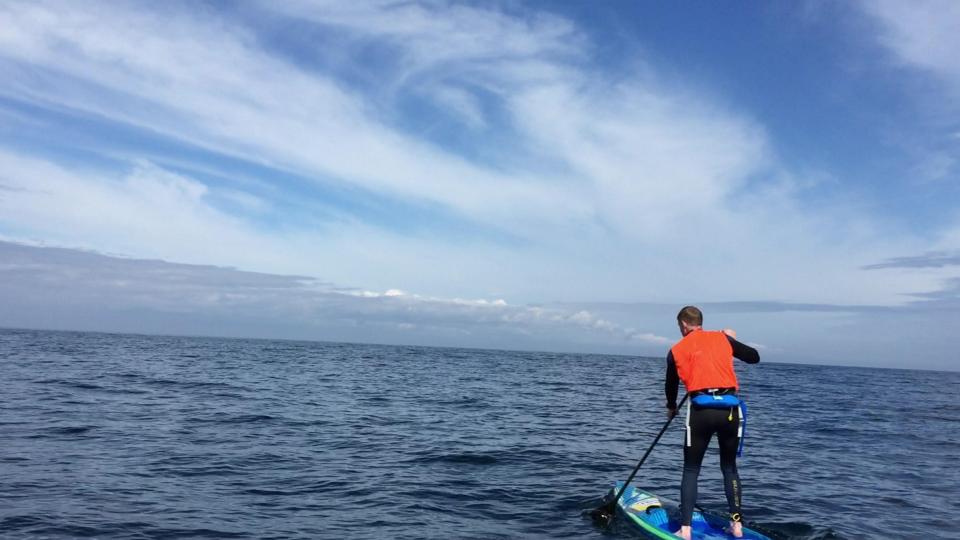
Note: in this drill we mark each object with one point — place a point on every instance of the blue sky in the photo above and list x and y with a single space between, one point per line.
559 176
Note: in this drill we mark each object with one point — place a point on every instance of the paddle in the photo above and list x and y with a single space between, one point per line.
604 514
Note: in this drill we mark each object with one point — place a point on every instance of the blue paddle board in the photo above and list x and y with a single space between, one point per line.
645 510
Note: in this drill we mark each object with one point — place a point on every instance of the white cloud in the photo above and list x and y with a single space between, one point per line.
627 147
148 212
636 153
207 83
923 34
653 156
437 33
461 103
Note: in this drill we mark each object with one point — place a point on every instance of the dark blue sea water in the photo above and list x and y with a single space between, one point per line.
117 436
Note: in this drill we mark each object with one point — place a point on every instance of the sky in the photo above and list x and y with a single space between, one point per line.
559 176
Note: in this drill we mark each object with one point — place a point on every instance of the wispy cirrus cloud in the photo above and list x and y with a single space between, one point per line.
204 83
921 37
148 210
922 34
208 83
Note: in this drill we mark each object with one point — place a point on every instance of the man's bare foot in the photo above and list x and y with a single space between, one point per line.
735 529
684 532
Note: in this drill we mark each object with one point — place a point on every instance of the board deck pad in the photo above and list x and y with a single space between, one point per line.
647 511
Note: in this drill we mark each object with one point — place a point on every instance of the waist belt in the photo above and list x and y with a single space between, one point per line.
716 401
713 392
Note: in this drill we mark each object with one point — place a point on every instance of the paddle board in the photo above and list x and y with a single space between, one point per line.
645 510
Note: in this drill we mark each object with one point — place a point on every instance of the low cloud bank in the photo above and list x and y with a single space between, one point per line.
67 288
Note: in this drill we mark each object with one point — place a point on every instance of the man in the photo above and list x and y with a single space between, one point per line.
703 360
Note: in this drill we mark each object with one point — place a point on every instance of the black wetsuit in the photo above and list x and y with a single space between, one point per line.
703 423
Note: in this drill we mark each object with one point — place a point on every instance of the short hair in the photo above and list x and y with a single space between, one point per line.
691 315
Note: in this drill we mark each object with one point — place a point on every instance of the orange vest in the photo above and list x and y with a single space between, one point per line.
704 360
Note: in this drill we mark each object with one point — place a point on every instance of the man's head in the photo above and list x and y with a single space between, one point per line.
689 319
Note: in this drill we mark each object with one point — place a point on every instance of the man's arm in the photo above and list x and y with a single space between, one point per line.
744 352
671 383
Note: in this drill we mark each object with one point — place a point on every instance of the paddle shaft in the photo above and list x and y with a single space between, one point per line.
663 430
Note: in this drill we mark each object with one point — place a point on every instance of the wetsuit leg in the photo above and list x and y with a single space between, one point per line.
701 431
729 441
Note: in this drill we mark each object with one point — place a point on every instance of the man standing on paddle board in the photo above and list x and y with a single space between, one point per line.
703 360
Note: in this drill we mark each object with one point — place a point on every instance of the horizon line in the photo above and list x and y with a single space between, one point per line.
451 347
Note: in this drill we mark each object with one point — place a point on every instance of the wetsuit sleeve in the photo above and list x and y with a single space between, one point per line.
672 382
744 352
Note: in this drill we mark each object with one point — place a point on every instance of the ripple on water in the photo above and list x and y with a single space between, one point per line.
150 437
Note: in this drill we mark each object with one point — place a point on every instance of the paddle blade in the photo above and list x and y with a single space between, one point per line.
603 515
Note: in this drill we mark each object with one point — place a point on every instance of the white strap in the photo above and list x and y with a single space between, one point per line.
740 427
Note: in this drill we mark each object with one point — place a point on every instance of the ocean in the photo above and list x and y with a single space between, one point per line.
129 436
